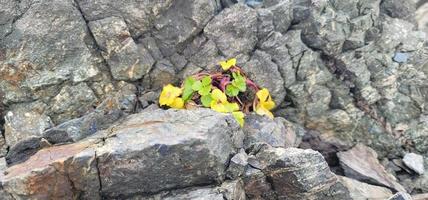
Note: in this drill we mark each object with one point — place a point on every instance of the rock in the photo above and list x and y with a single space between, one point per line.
262 130
401 57
44 50
282 14
162 74
233 190
237 165
300 174
151 147
60 172
401 196
72 102
149 134
126 59
399 9
3 194
234 30
77 129
414 162
326 146
182 21
257 186
266 76
22 123
420 196
359 190
361 163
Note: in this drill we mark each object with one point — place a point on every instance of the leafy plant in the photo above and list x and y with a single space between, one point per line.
227 91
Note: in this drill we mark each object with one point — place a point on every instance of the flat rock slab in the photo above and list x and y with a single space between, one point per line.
360 190
146 153
361 163
414 162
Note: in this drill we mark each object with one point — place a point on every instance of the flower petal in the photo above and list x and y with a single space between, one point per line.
260 110
263 94
178 103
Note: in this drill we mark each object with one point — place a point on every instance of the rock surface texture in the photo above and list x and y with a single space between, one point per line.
78 77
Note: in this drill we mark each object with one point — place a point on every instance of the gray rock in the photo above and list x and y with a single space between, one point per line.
300 174
257 186
22 123
233 190
414 162
126 59
401 196
237 165
401 57
139 15
70 168
282 15
3 194
359 190
262 130
151 148
72 102
399 9
166 137
162 74
234 30
361 163
77 129
182 21
264 72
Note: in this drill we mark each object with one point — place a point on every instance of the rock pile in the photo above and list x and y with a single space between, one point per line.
78 80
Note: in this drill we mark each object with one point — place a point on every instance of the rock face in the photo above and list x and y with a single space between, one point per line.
341 73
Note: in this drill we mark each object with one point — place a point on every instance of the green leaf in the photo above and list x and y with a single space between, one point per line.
187 94
205 90
188 91
239 116
206 100
206 81
189 81
197 85
239 82
232 91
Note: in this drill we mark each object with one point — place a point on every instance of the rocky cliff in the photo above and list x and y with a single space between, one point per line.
78 79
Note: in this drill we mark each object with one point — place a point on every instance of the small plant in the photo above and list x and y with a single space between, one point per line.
228 91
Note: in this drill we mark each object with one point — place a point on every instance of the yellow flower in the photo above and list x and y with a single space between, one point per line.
169 96
178 103
228 64
220 103
265 103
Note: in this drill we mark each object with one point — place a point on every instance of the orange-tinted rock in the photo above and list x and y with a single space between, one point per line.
59 172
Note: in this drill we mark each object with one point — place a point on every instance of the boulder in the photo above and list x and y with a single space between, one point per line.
361 163
184 148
